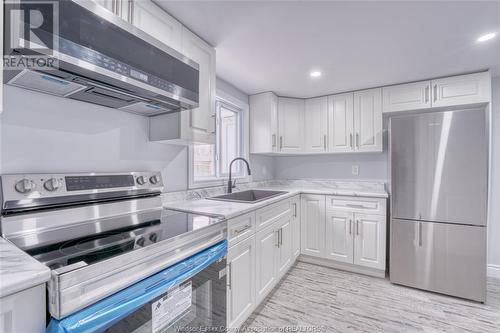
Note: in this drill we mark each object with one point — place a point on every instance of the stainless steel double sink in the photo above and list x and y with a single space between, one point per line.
249 196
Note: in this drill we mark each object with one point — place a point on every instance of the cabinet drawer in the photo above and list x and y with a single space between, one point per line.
268 215
354 204
240 228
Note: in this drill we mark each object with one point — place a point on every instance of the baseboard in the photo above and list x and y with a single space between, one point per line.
493 271
342 266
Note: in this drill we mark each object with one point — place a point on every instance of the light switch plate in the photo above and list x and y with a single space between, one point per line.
355 170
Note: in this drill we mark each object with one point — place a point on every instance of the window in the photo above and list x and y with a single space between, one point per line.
210 162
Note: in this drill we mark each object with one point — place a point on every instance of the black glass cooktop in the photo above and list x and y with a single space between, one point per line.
103 239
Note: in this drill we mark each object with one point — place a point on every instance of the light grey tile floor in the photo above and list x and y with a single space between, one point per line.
312 297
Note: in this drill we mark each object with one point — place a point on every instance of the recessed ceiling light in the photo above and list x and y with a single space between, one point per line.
486 37
315 74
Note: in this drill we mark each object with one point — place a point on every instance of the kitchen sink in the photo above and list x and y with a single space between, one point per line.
250 196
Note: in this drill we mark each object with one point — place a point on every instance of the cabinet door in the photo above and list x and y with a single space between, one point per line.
369 240
291 124
199 124
341 122
463 89
295 226
368 120
339 236
263 123
316 125
241 284
154 21
284 252
313 225
266 243
404 97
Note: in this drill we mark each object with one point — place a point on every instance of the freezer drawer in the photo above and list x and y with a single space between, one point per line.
440 257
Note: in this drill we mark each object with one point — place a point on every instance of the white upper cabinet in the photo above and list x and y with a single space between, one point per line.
369 243
341 122
450 91
263 123
199 124
339 236
316 125
404 97
368 120
461 90
291 124
156 22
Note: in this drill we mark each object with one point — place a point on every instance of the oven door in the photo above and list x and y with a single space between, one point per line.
190 295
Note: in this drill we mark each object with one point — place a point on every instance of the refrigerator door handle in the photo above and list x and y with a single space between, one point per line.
420 234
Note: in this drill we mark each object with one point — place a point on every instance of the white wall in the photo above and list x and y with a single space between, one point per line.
494 222
43 133
339 166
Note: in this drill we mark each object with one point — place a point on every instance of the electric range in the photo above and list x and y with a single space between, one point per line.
99 233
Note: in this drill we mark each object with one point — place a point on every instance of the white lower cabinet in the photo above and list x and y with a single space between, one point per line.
295 227
369 243
265 267
338 236
241 282
350 234
312 240
23 311
283 253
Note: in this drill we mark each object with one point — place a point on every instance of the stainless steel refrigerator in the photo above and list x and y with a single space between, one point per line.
439 194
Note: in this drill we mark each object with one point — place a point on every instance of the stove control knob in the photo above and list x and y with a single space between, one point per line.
154 179
140 242
141 180
25 186
153 238
52 184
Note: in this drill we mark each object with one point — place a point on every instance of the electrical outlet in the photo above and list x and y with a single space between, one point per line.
355 170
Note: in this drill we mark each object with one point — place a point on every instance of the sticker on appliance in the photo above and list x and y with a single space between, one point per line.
172 305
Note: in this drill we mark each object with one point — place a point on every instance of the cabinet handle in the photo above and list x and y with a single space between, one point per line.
350 140
435 92
131 11
239 231
420 234
274 140
427 92
357 227
294 209
281 236
357 140
324 141
350 227
281 142
215 123
277 236
355 206
230 275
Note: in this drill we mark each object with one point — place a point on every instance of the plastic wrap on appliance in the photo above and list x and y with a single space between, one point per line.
105 313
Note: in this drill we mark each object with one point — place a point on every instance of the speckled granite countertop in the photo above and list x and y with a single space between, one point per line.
18 270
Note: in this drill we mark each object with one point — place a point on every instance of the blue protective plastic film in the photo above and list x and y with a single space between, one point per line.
105 313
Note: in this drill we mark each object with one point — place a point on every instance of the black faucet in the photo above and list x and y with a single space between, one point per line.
230 184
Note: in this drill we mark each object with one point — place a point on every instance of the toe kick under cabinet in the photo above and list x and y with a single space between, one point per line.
344 232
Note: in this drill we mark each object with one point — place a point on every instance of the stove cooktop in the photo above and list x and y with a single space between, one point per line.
88 246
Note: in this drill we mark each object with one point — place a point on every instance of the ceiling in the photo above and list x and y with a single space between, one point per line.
273 45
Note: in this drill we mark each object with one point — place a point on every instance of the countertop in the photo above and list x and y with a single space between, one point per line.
18 270
232 209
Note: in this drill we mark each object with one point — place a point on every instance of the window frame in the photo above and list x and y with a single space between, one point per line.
242 107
